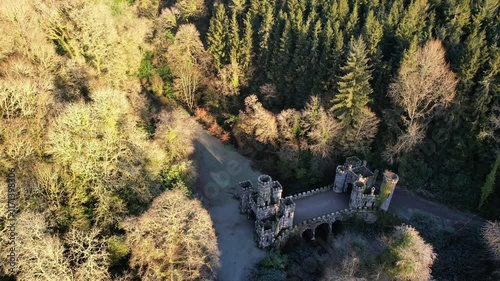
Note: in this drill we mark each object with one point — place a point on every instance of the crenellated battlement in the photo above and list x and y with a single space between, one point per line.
274 215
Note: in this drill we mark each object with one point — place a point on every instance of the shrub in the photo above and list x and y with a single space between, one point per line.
117 249
215 129
274 260
491 233
225 137
408 256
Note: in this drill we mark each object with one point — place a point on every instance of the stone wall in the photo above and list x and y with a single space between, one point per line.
341 215
311 192
265 212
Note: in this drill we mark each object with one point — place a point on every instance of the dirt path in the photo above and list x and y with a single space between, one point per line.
220 168
404 202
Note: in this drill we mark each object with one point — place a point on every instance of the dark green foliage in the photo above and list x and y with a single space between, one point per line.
268 274
117 249
489 186
246 45
274 260
234 38
217 35
460 250
354 86
299 46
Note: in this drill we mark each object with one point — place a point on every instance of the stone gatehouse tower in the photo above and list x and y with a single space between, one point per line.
356 178
271 213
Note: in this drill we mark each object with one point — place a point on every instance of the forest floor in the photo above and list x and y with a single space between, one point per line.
220 167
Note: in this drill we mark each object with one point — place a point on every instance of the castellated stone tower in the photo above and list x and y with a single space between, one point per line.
264 188
271 213
340 179
387 188
245 196
354 175
288 207
358 189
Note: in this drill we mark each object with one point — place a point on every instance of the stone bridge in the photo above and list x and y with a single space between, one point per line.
328 223
354 191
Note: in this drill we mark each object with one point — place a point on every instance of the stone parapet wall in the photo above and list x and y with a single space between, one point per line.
311 192
312 223
368 201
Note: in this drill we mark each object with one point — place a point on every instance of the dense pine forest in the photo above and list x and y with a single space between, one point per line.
99 99
410 84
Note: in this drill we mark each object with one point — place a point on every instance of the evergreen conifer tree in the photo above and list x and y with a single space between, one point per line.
234 38
353 87
246 44
372 33
217 36
264 34
351 26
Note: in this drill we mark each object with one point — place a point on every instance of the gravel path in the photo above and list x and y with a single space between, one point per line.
220 168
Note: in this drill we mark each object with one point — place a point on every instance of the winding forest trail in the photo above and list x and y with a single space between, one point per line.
220 167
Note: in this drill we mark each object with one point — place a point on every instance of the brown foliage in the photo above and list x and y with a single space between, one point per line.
215 129
491 233
258 122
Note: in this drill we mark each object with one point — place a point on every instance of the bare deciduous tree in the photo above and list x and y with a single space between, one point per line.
291 128
101 153
184 57
425 84
491 233
173 240
322 128
257 121
40 256
87 252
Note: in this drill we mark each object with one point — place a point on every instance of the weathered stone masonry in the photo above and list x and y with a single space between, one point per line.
274 215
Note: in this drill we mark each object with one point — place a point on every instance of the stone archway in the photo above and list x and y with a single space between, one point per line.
337 227
348 188
252 216
308 235
322 231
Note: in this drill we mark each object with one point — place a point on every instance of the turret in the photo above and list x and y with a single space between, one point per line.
288 212
356 194
340 178
265 183
276 191
245 196
389 182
